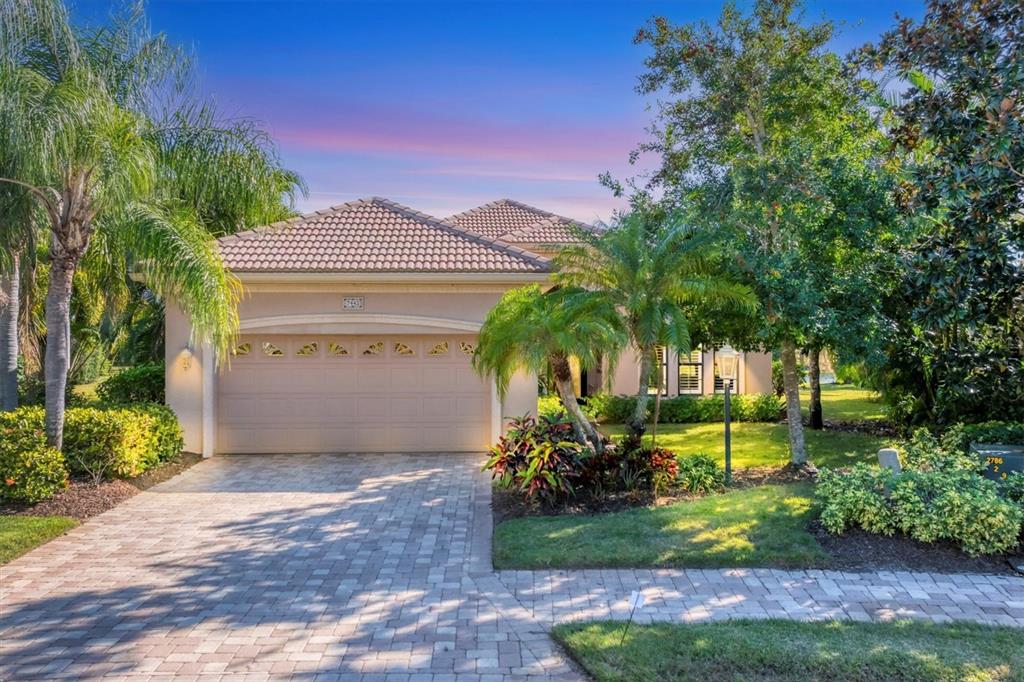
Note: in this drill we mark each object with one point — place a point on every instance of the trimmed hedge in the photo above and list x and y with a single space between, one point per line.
106 442
139 384
30 470
686 409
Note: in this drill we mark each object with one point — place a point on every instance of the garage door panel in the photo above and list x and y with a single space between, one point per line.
438 379
401 379
398 398
372 379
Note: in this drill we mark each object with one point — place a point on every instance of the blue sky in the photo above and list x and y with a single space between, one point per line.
447 105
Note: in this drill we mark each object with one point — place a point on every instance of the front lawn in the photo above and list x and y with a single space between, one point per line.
762 526
845 403
19 534
758 444
786 650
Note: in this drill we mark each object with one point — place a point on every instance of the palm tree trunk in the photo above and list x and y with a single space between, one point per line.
638 422
58 342
581 426
657 409
814 378
10 298
791 381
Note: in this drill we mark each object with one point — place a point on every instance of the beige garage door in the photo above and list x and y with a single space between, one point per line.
326 393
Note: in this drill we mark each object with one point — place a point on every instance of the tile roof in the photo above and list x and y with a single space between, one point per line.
516 223
371 235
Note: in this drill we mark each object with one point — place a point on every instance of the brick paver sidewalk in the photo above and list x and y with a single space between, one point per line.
370 567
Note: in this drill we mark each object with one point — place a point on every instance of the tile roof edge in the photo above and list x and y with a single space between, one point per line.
461 231
550 218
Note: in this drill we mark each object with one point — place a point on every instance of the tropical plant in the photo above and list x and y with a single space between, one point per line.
699 474
539 458
109 144
650 266
535 330
139 384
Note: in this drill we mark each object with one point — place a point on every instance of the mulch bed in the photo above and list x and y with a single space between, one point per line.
507 504
82 499
859 550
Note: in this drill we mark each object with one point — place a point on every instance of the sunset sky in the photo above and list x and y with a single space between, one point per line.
444 106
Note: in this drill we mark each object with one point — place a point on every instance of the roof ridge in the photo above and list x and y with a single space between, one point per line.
263 229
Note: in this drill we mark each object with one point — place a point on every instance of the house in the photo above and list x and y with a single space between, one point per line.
357 327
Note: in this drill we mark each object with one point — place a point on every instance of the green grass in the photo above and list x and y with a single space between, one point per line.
791 651
758 444
846 403
762 526
19 534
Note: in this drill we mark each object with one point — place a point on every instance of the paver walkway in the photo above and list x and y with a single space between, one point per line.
370 567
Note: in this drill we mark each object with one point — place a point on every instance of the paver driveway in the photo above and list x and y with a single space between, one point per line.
303 567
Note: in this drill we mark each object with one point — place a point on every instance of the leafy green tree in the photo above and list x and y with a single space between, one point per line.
651 267
958 125
759 128
106 139
539 331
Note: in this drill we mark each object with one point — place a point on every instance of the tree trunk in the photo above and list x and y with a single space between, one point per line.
814 378
638 422
791 381
10 299
58 343
657 408
581 426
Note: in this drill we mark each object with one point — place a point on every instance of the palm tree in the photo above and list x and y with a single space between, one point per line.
652 268
537 331
114 144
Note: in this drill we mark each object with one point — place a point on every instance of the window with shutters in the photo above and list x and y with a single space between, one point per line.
691 373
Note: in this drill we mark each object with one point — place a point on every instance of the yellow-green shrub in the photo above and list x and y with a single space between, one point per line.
30 470
108 442
954 505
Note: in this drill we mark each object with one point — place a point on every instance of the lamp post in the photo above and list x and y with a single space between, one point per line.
726 360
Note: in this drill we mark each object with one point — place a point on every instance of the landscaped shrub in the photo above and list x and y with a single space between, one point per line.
30 470
109 443
1005 433
858 498
169 439
652 469
699 474
927 452
140 384
1012 487
957 505
778 379
539 458
615 409
550 406
106 442
685 409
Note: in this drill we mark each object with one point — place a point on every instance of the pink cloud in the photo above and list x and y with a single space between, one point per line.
405 133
